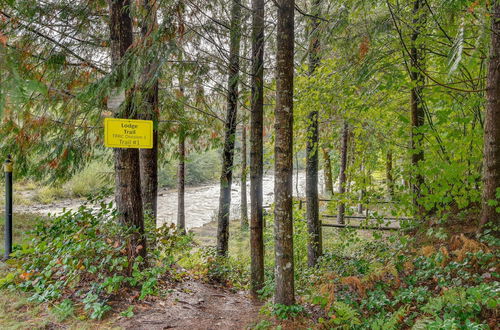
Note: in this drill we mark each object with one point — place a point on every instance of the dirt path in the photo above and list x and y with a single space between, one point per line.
197 306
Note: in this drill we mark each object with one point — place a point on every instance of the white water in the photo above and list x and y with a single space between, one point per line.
201 203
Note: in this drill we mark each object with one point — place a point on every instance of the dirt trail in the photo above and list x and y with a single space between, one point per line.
197 306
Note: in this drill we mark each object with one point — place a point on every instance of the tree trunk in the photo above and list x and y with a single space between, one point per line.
148 158
491 167
389 177
342 174
314 247
230 130
256 147
417 110
328 172
244 205
283 150
362 193
181 175
127 169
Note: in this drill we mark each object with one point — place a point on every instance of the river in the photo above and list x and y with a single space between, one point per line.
201 203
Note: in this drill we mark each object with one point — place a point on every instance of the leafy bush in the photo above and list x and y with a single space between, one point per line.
95 177
82 256
201 168
48 194
283 312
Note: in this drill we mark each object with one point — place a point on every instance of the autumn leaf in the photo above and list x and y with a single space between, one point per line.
3 39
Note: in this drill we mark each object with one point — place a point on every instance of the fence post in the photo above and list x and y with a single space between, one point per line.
8 206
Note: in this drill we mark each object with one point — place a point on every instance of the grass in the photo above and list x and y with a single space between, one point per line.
17 312
21 224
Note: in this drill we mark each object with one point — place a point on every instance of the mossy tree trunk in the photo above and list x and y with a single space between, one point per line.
127 169
283 150
230 130
491 165
314 247
256 148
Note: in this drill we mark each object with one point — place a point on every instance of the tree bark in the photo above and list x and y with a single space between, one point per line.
148 158
230 130
389 176
256 148
181 175
283 150
417 110
127 169
244 205
314 247
342 174
362 193
491 165
328 172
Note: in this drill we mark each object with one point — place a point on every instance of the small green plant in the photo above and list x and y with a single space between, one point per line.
129 312
64 309
283 312
263 325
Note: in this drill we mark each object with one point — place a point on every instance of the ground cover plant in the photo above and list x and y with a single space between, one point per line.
81 260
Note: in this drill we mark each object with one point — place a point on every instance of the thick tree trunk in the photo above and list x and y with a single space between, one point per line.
342 174
230 130
244 202
283 150
256 147
491 165
314 247
417 110
148 158
388 172
328 172
181 175
127 169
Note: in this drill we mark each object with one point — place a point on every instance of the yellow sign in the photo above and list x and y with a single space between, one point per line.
128 133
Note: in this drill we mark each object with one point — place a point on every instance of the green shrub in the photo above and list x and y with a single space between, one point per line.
48 194
201 168
97 176
82 255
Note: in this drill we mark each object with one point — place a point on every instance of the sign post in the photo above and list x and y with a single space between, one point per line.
8 206
128 133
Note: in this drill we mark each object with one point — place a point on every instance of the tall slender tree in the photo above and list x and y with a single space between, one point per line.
148 158
127 169
244 202
314 247
417 107
389 174
230 129
256 147
181 175
327 171
283 150
491 166
342 173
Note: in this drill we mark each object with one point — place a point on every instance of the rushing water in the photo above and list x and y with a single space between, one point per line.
201 203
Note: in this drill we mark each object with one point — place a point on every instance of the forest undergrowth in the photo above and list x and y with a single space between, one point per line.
439 277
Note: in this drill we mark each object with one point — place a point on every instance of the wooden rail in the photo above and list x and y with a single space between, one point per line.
364 217
335 225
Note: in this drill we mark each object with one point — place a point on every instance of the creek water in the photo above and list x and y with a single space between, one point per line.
201 203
